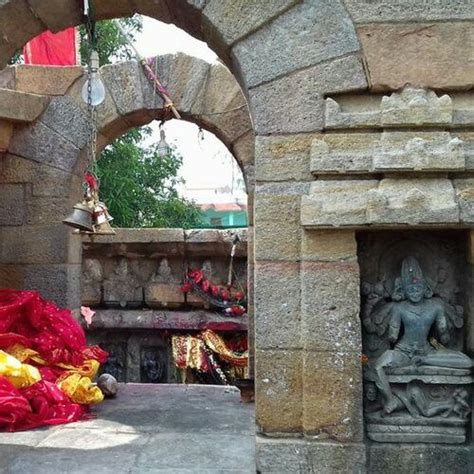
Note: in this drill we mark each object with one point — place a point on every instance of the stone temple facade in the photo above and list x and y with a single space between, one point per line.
359 160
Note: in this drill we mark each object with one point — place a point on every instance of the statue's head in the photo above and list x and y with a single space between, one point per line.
413 283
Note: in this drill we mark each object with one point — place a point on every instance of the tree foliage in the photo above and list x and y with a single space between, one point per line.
139 186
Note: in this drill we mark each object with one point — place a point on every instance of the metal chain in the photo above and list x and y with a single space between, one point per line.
92 110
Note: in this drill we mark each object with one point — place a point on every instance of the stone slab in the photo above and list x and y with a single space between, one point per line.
6 131
21 106
165 319
388 202
375 11
393 459
237 19
389 151
305 456
332 396
434 55
39 143
336 203
330 306
276 214
328 246
279 317
147 428
66 118
282 158
18 23
304 112
465 197
276 50
46 80
71 14
125 236
279 391
12 204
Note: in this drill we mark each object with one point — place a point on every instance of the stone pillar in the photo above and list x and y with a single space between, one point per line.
279 360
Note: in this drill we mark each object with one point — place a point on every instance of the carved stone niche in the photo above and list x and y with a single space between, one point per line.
417 378
116 364
153 365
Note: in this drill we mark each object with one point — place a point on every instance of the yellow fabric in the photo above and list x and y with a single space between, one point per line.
217 345
20 375
76 383
88 369
23 354
80 389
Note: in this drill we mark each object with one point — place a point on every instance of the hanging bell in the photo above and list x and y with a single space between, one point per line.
102 220
80 218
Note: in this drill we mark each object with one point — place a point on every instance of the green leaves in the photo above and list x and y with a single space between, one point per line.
111 45
139 187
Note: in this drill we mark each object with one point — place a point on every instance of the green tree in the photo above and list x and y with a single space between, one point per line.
139 186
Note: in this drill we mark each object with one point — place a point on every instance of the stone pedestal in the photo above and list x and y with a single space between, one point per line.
435 402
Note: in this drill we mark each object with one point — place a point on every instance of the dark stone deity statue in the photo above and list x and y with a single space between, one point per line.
153 368
412 374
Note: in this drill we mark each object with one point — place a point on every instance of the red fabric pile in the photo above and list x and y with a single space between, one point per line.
50 339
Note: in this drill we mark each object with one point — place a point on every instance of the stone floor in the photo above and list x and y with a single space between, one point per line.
147 428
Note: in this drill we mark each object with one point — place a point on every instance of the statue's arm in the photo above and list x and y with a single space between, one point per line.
442 325
394 326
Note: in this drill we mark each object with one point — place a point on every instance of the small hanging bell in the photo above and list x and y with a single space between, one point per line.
102 220
80 218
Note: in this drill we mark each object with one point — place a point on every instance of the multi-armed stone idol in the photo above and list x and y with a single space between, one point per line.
417 388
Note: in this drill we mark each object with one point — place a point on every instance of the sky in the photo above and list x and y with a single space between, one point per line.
207 163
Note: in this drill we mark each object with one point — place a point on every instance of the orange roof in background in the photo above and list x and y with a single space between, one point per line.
224 207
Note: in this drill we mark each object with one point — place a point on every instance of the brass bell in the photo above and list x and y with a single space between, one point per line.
80 218
102 220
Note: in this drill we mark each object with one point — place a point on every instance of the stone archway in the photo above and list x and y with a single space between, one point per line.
51 144
284 76
288 55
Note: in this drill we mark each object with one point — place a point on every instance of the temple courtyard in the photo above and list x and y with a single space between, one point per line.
146 428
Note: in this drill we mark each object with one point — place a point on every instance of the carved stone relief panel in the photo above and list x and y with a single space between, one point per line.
417 379
122 287
163 288
92 278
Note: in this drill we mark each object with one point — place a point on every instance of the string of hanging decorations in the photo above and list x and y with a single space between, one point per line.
228 299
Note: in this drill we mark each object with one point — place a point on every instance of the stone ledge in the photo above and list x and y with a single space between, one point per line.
388 152
296 455
412 107
166 320
399 458
20 106
357 203
125 236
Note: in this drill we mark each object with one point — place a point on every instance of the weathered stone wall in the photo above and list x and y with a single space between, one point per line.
133 281
44 125
315 187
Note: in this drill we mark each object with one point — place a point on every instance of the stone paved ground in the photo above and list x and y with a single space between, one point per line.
147 428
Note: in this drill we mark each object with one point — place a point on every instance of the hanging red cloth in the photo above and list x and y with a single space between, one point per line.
53 49
46 365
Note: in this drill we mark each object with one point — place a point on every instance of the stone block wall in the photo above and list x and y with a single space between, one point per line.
339 149
133 282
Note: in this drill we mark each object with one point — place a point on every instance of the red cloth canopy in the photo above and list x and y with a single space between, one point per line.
53 49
